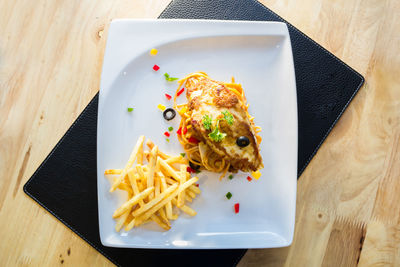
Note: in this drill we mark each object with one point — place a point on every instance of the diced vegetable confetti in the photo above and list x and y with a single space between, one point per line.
156 67
168 78
168 96
183 110
236 208
167 134
161 107
180 92
153 52
130 109
193 140
228 195
230 177
256 174
170 128
249 178
190 170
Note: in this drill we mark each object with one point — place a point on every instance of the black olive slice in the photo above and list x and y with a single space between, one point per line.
243 141
169 114
194 166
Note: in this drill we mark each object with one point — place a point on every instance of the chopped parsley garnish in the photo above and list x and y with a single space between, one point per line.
230 177
216 135
167 140
130 109
170 128
207 122
170 79
183 155
228 117
228 195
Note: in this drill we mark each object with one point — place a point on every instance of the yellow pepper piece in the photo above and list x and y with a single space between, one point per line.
161 107
183 110
153 52
256 175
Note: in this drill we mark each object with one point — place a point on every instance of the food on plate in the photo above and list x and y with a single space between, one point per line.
216 130
155 183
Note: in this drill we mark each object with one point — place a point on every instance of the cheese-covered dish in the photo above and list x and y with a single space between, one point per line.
216 130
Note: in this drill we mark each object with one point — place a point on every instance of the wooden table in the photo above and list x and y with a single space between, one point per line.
348 204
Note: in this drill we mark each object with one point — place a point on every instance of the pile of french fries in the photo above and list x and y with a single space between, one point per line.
154 189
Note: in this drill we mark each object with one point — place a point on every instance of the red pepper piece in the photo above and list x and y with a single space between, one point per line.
190 170
248 178
179 132
237 208
184 130
180 92
168 96
156 68
197 185
193 140
167 134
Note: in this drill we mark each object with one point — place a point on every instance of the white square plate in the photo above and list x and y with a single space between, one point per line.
259 56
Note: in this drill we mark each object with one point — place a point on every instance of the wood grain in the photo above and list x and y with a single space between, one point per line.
348 203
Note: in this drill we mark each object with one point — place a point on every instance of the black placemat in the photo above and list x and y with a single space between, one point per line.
65 184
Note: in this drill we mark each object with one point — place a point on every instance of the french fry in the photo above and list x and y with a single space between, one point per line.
185 208
130 225
153 188
129 204
160 222
168 206
112 171
131 160
157 186
140 172
181 195
150 145
120 221
158 164
128 219
188 210
140 155
170 181
162 203
164 216
191 194
133 177
194 189
177 159
169 171
141 186
125 187
146 154
152 167
154 201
